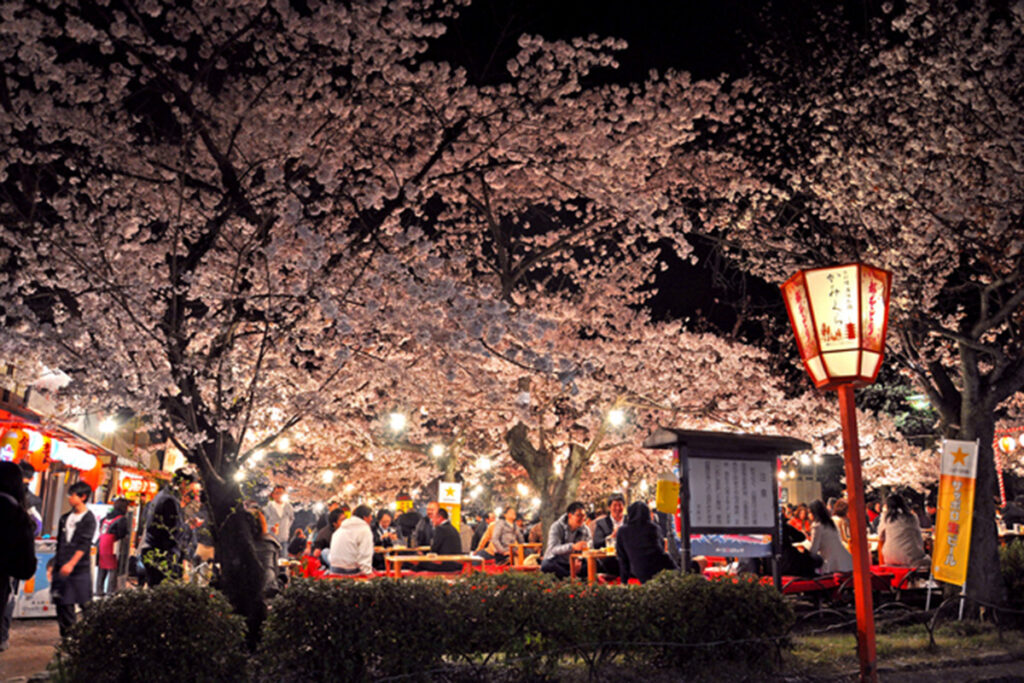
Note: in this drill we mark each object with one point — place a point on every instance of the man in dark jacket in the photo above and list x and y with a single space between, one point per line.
72 568
605 529
639 546
17 541
446 541
567 535
424 532
166 533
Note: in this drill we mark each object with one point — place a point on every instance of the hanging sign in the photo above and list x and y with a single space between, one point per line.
449 496
955 511
135 486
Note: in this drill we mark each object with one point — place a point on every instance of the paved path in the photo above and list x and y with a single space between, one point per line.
32 642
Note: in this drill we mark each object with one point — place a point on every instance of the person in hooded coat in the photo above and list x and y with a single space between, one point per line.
639 547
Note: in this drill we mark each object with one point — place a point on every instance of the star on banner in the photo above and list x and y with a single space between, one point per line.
449 492
959 457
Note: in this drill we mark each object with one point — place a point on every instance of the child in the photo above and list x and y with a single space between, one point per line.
72 580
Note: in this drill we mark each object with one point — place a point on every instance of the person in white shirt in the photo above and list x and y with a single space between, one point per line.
352 544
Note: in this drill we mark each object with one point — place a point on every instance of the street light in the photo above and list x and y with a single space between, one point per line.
839 315
616 417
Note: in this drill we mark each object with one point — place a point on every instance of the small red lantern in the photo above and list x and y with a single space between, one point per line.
840 315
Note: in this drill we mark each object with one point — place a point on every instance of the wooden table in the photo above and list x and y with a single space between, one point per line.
591 556
395 562
518 550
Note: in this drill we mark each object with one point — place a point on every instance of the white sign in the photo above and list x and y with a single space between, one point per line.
449 492
731 493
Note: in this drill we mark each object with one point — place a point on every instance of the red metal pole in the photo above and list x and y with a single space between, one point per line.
858 537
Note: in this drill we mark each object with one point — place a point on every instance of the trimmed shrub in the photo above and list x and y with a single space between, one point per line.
415 628
173 632
694 620
1011 564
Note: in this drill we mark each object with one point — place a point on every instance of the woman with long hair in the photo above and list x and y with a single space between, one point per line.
900 542
840 515
826 543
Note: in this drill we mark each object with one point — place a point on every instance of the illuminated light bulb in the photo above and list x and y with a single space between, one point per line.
782 475
108 425
522 488
283 444
327 476
616 417
349 488
256 456
396 421
1007 444
817 458
35 440
484 464
535 501
805 459
437 450
239 475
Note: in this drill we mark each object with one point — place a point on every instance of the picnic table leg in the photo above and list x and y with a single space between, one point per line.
591 570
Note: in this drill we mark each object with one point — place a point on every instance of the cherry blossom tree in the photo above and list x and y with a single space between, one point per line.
233 219
906 151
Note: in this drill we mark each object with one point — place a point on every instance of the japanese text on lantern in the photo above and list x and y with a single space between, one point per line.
840 296
798 302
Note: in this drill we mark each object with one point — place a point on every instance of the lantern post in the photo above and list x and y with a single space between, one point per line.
839 315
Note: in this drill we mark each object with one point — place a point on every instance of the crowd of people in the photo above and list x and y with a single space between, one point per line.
174 533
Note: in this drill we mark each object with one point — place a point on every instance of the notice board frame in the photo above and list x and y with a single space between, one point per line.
725 446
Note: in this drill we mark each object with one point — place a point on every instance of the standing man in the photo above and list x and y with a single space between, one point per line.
162 546
280 514
424 532
72 575
352 544
567 535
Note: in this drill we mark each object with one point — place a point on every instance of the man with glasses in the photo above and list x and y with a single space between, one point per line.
569 534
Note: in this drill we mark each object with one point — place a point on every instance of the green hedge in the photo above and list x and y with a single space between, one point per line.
358 630
1011 564
173 632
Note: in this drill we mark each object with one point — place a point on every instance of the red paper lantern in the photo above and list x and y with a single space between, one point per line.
840 315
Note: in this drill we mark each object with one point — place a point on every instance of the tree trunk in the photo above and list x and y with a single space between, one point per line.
984 578
235 535
555 492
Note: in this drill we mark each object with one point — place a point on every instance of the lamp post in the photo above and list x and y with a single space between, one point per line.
839 315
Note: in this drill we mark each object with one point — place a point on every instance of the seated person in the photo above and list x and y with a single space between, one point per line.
322 543
567 535
502 536
795 560
639 546
900 542
384 536
605 530
446 541
351 549
826 542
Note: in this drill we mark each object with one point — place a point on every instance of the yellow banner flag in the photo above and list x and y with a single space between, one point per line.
955 512
449 497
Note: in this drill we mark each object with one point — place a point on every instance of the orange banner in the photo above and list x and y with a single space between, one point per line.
955 511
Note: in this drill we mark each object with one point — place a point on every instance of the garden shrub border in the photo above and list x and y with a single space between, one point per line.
361 630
